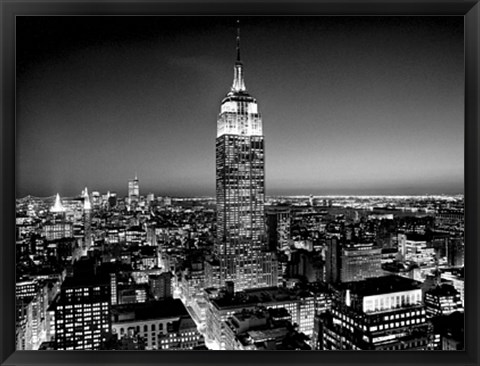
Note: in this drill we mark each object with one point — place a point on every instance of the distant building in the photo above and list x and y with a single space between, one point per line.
58 230
442 300
332 260
351 262
278 227
360 261
455 252
133 192
87 221
449 217
57 209
161 285
413 248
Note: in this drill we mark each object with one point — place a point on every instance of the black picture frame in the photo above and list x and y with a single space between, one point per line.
10 9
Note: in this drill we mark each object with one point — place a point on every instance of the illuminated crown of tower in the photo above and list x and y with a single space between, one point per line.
57 207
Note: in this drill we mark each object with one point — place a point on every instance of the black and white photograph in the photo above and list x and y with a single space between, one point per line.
263 183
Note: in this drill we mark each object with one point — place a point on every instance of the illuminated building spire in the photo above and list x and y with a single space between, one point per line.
238 82
86 200
57 207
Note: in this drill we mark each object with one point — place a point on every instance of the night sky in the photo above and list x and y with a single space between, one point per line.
350 105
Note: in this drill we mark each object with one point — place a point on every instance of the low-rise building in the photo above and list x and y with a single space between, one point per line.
149 320
383 313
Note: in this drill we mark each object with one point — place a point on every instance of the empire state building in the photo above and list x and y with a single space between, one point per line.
240 189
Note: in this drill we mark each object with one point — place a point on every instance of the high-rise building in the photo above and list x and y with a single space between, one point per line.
278 227
360 261
133 191
351 262
87 220
240 187
82 313
332 260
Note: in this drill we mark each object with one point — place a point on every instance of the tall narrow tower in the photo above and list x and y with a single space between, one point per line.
133 192
240 188
87 221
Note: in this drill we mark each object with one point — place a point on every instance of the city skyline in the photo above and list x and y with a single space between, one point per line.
149 272
92 109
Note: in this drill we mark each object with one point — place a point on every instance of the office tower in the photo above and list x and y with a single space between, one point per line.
113 289
82 313
351 262
240 188
111 200
87 221
360 261
278 227
96 199
332 260
383 313
133 192
455 252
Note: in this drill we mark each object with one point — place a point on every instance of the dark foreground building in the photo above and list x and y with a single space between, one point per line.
383 313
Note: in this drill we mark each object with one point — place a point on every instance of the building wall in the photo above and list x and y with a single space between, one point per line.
148 329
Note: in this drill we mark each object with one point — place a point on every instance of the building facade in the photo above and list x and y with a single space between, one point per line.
360 261
82 314
383 313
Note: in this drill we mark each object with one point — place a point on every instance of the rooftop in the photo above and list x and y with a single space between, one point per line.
443 290
381 285
260 296
166 308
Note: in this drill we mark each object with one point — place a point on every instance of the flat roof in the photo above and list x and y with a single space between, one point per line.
166 308
261 296
381 285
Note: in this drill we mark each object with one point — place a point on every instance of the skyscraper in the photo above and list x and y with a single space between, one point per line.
240 188
87 220
133 192
82 309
